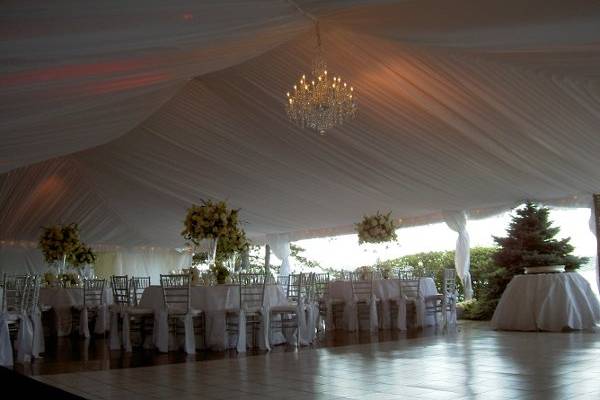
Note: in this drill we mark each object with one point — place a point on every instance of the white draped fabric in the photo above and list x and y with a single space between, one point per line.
457 221
118 115
280 245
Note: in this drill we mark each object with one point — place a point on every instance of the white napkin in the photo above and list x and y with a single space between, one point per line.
6 350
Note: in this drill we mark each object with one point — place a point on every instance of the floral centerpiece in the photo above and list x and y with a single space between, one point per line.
377 228
215 221
82 255
58 242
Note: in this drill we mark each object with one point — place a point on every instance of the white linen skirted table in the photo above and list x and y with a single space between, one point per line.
214 301
384 290
62 299
547 302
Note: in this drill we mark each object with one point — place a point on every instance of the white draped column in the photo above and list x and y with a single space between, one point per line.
594 228
280 245
457 221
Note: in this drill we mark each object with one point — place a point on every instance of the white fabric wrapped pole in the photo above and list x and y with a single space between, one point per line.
457 221
595 204
280 244
6 350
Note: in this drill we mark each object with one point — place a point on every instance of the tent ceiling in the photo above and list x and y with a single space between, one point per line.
463 104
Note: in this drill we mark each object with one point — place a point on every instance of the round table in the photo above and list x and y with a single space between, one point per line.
214 301
61 300
547 302
385 290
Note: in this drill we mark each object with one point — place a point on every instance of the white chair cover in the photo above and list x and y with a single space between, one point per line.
84 329
190 339
24 339
302 326
114 338
420 311
373 320
38 332
161 331
6 350
125 327
264 330
101 320
241 339
401 321
329 315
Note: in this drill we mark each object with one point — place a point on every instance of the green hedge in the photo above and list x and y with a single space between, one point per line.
436 261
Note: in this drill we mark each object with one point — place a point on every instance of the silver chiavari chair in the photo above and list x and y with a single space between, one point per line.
141 320
177 301
93 299
445 302
14 300
362 292
410 288
285 317
138 284
251 294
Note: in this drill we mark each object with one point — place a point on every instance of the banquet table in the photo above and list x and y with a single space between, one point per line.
385 290
61 300
547 302
214 301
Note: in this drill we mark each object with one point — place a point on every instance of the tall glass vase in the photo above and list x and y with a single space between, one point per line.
212 250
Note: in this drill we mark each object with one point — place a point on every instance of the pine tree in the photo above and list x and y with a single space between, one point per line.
530 242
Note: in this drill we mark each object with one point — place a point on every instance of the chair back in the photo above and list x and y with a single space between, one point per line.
14 294
32 295
410 285
137 286
449 282
362 285
93 292
120 289
298 287
176 291
320 286
252 291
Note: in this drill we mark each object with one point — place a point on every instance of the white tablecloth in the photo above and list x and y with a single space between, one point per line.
385 290
214 301
547 302
61 300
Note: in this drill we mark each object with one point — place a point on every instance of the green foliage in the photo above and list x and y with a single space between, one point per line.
434 263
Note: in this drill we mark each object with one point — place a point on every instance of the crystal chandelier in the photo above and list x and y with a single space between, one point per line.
321 101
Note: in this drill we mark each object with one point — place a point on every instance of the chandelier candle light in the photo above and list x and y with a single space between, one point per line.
321 101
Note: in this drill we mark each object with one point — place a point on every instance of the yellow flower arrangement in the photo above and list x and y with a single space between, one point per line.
59 241
210 220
